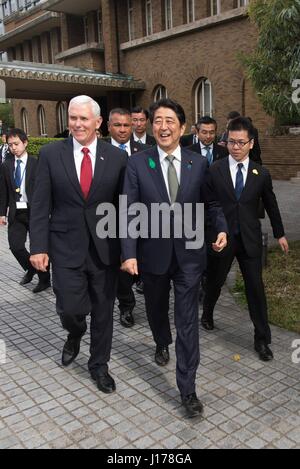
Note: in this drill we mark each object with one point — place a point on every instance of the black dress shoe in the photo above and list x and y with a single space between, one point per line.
264 352
105 383
127 319
70 351
207 323
139 287
192 405
27 277
162 356
41 286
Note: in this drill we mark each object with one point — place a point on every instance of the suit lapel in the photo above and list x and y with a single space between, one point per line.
28 174
101 159
67 158
11 165
226 176
186 172
250 177
154 167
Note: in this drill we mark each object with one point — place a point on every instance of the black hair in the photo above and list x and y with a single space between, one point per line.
241 123
233 115
169 104
206 120
17 133
140 110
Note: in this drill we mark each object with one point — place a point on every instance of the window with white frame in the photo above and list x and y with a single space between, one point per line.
215 7
190 11
42 121
168 14
203 99
61 117
24 120
160 92
149 17
130 20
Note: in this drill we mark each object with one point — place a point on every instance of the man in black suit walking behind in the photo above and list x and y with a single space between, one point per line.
16 194
240 184
207 145
75 177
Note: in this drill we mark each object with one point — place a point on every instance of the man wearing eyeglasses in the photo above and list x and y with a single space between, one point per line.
239 184
207 146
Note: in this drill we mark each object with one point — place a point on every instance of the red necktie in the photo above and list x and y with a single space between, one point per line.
86 174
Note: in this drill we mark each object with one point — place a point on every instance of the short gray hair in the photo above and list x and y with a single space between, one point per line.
87 100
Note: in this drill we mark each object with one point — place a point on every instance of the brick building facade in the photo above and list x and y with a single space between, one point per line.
185 49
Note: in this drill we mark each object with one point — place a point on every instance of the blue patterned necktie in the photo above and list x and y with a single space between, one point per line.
122 146
18 176
239 184
209 155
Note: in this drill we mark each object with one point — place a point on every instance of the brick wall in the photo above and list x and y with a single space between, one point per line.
32 108
281 155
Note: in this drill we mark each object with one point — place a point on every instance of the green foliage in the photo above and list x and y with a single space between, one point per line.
275 63
36 143
6 115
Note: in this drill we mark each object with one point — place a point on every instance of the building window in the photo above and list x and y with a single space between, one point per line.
24 120
160 92
42 121
168 14
86 29
215 7
61 117
190 11
242 3
130 20
203 99
99 33
149 17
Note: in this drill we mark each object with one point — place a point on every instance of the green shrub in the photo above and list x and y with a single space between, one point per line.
36 143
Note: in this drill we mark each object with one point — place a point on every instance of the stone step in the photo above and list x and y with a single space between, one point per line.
295 180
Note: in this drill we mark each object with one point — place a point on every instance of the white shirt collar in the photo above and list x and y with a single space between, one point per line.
92 147
233 163
138 139
211 146
23 158
116 144
163 154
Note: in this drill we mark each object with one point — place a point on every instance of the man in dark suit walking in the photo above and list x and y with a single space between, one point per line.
16 194
74 178
240 184
120 129
167 174
5 153
207 146
140 119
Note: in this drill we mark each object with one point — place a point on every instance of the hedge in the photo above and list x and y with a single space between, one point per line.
36 143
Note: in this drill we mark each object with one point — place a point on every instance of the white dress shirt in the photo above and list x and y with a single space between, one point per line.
140 139
23 199
165 164
116 144
204 149
78 155
233 166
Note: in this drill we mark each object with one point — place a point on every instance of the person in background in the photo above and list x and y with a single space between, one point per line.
140 119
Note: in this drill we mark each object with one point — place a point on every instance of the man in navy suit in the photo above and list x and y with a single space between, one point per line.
74 177
140 119
168 174
207 146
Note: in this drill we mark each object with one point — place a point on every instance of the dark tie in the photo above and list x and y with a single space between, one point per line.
18 175
172 179
209 155
86 174
239 184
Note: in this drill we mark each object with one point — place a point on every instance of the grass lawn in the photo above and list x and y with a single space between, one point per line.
282 282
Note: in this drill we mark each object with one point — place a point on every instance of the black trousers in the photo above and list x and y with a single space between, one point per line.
125 293
186 291
251 268
17 236
89 289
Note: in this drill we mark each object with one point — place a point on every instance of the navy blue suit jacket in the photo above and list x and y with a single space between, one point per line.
144 183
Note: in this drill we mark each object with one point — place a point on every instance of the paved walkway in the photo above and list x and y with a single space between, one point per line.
248 404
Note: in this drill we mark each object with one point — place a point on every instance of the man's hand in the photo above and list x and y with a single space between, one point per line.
221 242
283 243
3 221
40 262
130 266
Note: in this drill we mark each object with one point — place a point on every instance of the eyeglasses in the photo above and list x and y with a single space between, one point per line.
239 143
